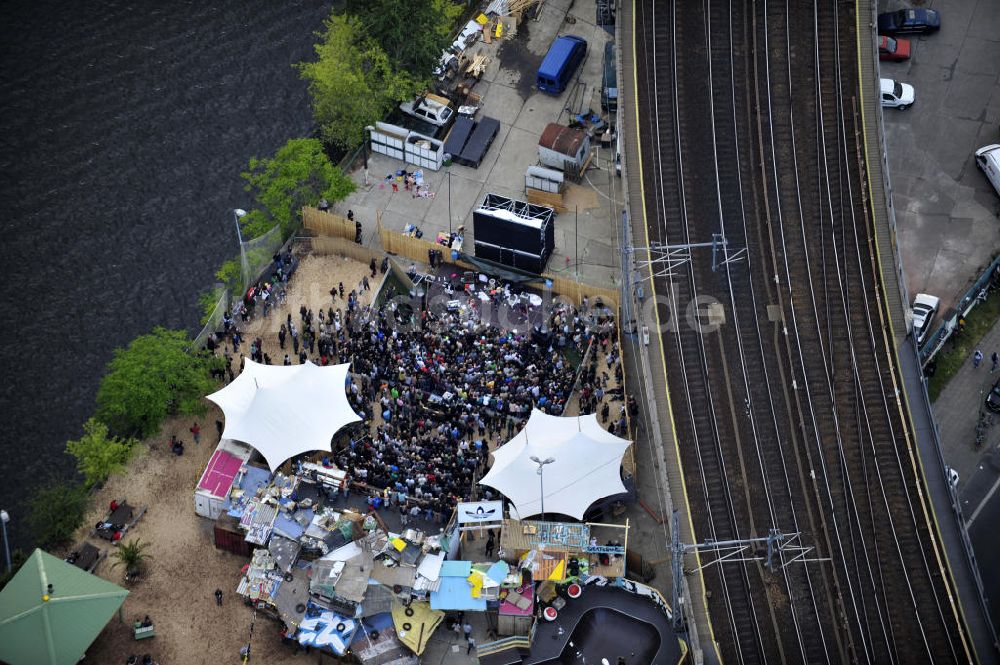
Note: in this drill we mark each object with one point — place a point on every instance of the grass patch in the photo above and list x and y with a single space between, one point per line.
955 352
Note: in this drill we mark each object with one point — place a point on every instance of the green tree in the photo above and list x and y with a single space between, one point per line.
298 174
99 454
55 513
413 34
133 556
154 377
352 83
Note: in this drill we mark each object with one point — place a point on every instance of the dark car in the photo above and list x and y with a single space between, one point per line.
993 399
893 49
909 22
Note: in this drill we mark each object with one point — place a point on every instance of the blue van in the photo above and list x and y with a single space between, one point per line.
560 63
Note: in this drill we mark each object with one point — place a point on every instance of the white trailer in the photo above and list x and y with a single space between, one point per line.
212 492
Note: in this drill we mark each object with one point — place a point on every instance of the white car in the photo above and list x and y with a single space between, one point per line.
896 95
924 308
429 108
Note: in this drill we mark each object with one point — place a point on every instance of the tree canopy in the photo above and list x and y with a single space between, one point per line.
412 34
55 513
151 379
99 454
298 174
352 83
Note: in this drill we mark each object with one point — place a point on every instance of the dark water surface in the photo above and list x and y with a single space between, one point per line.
123 129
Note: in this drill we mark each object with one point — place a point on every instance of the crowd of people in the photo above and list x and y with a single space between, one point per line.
437 389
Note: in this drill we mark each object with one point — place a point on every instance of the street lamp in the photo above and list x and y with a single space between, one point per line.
244 266
4 518
237 213
541 479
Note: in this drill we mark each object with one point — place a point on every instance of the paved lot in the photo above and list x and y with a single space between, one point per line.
946 211
523 112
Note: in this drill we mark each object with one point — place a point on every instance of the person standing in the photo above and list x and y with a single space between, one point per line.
218 597
218 428
491 543
371 266
996 361
977 358
196 431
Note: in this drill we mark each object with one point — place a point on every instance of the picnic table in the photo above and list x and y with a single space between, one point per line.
120 518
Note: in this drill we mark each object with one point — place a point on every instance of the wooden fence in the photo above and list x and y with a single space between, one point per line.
327 223
416 250
326 245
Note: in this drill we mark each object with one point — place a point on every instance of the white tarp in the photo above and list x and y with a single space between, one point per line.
586 467
283 411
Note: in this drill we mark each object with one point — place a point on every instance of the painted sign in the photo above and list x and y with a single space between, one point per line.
480 512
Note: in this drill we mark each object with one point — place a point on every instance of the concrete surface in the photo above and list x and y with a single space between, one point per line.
957 410
509 96
946 210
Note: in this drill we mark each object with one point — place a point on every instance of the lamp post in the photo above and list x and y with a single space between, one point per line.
449 209
244 268
541 478
237 213
4 518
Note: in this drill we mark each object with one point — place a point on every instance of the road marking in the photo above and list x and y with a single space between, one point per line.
982 504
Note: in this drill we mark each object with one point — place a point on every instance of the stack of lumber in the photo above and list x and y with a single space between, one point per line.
478 65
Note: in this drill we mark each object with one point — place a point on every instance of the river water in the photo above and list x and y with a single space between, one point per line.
123 129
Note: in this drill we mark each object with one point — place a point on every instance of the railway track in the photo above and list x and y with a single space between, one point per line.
786 413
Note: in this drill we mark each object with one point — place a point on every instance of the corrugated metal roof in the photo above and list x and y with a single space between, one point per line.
401 575
564 140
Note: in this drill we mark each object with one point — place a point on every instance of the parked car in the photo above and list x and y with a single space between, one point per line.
430 108
993 399
952 476
988 159
896 95
893 49
909 22
924 308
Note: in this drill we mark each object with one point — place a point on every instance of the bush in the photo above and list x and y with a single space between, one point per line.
17 559
298 174
55 513
230 273
154 377
208 300
99 454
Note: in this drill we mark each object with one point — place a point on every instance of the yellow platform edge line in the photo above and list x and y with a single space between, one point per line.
663 360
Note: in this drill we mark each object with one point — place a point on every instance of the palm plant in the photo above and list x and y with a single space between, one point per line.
133 556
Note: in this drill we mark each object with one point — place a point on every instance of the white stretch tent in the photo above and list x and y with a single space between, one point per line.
586 466
283 411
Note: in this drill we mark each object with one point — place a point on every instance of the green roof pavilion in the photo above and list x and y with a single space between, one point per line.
43 627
